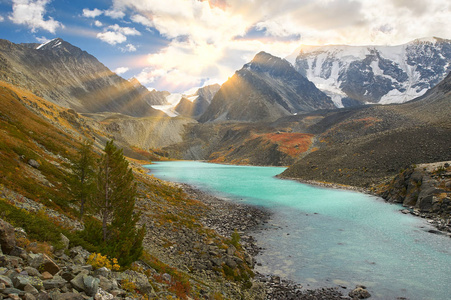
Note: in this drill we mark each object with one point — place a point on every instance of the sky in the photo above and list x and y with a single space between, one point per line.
178 45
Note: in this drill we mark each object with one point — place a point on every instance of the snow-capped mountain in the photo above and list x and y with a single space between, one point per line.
353 75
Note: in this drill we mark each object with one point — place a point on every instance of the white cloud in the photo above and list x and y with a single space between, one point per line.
31 13
115 34
98 23
129 48
2 19
92 13
209 40
124 30
121 70
42 39
112 37
114 14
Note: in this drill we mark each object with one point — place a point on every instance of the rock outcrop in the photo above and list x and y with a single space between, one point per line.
426 189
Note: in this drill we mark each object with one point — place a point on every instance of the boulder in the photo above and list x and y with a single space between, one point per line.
359 292
43 262
55 283
65 241
103 295
7 237
34 163
6 281
20 281
91 285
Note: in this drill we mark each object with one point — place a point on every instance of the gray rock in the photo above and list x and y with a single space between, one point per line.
30 289
34 163
65 241
105 284
13 291
6 281
79 260
20 281
43 262
360 293
78 282
140 280
7 237
105 272
103 295
29 296
79 250
68 296
91 285
32 271
54 284
19 252
230 262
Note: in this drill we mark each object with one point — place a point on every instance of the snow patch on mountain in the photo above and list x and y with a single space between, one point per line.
375 74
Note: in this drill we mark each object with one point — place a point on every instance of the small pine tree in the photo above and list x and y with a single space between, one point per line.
83 183
115 202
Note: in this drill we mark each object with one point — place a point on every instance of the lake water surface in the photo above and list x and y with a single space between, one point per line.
328 237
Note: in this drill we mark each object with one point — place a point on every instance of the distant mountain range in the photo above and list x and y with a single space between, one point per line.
265 89
70 77
353 75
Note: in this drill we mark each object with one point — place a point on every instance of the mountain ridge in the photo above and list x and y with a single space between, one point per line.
265 89
66 75
375 74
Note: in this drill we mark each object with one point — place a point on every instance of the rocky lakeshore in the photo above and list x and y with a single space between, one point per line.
226 216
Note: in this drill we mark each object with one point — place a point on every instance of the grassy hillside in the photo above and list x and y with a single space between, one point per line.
39 142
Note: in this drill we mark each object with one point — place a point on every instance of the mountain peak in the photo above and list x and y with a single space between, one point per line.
50 44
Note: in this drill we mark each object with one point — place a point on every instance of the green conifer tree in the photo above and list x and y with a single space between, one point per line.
115 202
83 183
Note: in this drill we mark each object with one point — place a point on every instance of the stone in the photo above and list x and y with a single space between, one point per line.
29 296
20 281
13 291
359 292
78 250
140 280
34 163
105 284
6 281
54 284
79 260
43 296
230 262
103 271
19 252
20 233
91 285
32 271
28 288
43 262
7 237
103 295
167 277
65 241
68 296
46 275
78 282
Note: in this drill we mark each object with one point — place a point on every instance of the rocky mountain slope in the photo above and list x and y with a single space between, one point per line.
195 105
375 74
362 146
153 97
184 257
265 89
70 77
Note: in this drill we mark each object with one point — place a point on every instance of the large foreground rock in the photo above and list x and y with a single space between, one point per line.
7 237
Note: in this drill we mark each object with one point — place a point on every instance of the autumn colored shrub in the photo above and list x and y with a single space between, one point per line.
97 261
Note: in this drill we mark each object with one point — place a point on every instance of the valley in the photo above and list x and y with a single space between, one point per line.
343 126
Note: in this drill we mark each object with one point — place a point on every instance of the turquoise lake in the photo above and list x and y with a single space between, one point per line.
327 237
